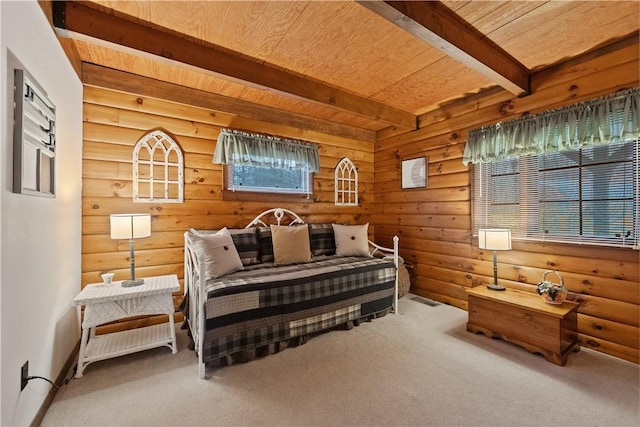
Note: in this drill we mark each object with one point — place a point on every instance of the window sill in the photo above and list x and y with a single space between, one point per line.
254 196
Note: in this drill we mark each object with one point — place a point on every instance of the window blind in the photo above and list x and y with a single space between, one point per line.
586 196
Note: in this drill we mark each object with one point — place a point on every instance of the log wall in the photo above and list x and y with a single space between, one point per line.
114 121
434 224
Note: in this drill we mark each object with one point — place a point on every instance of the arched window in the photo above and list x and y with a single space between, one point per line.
157 169
346 183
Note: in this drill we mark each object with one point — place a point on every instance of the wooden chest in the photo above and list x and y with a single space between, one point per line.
524 319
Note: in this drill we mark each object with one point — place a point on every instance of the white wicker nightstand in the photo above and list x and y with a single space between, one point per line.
105 304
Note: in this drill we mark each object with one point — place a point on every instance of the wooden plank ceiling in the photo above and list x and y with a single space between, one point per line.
361 65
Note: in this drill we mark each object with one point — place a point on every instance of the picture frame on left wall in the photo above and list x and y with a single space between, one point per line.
414 173
34 138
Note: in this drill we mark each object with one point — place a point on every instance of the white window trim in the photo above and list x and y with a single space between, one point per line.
306 185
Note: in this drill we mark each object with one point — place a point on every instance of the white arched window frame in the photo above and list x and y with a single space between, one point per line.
346 183
158 169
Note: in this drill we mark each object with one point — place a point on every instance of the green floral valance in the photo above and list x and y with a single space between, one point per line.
237 147
602 120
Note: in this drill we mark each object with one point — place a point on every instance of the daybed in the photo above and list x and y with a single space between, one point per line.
275 290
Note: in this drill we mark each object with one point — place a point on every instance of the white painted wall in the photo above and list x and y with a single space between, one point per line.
40 237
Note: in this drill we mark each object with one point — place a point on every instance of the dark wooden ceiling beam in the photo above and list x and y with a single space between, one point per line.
434 23
97 75
78 20
67 45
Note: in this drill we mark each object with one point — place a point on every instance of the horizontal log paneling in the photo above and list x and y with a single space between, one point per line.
161 107
114 121
605 268
113 134
131 102
614 269
612 348
143 122
415 195
427 208
248 114
434 224
609 309
609 330
434 221
447 234
107 261
625 50
413 244
323 188
523 278
582 251
108 206
526 277
444 288
461 278
441 297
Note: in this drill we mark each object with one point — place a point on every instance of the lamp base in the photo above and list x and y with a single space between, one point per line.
495 287
132 283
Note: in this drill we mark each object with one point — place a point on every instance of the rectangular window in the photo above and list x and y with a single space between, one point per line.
589 195
268 179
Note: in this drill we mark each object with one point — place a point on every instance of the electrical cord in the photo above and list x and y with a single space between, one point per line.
68 380
65 382
35 377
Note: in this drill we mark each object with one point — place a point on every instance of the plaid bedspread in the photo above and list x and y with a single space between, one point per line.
263 304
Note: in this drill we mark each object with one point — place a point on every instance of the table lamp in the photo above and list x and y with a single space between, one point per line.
496 239
131 226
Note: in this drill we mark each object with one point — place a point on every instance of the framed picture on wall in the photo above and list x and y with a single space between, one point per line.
34 137
414 173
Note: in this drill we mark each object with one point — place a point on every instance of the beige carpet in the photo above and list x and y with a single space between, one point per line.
418 368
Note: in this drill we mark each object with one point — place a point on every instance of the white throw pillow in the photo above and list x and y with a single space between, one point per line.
218 253
351 240
290 244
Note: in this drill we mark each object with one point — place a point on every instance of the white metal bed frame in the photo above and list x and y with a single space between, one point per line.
193 270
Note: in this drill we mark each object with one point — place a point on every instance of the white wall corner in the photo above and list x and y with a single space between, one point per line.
40 248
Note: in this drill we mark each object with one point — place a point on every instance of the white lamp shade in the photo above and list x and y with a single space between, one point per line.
130 226
497 239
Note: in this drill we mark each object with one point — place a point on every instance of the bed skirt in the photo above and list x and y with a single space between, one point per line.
244 356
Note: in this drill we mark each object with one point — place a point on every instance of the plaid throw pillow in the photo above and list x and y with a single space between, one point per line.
322 239
265 243
246 242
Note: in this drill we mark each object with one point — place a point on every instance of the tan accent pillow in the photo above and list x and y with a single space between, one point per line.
351 240
218 253
290 244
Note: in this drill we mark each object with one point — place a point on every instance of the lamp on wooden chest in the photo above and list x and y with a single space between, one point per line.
131 226
495 239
